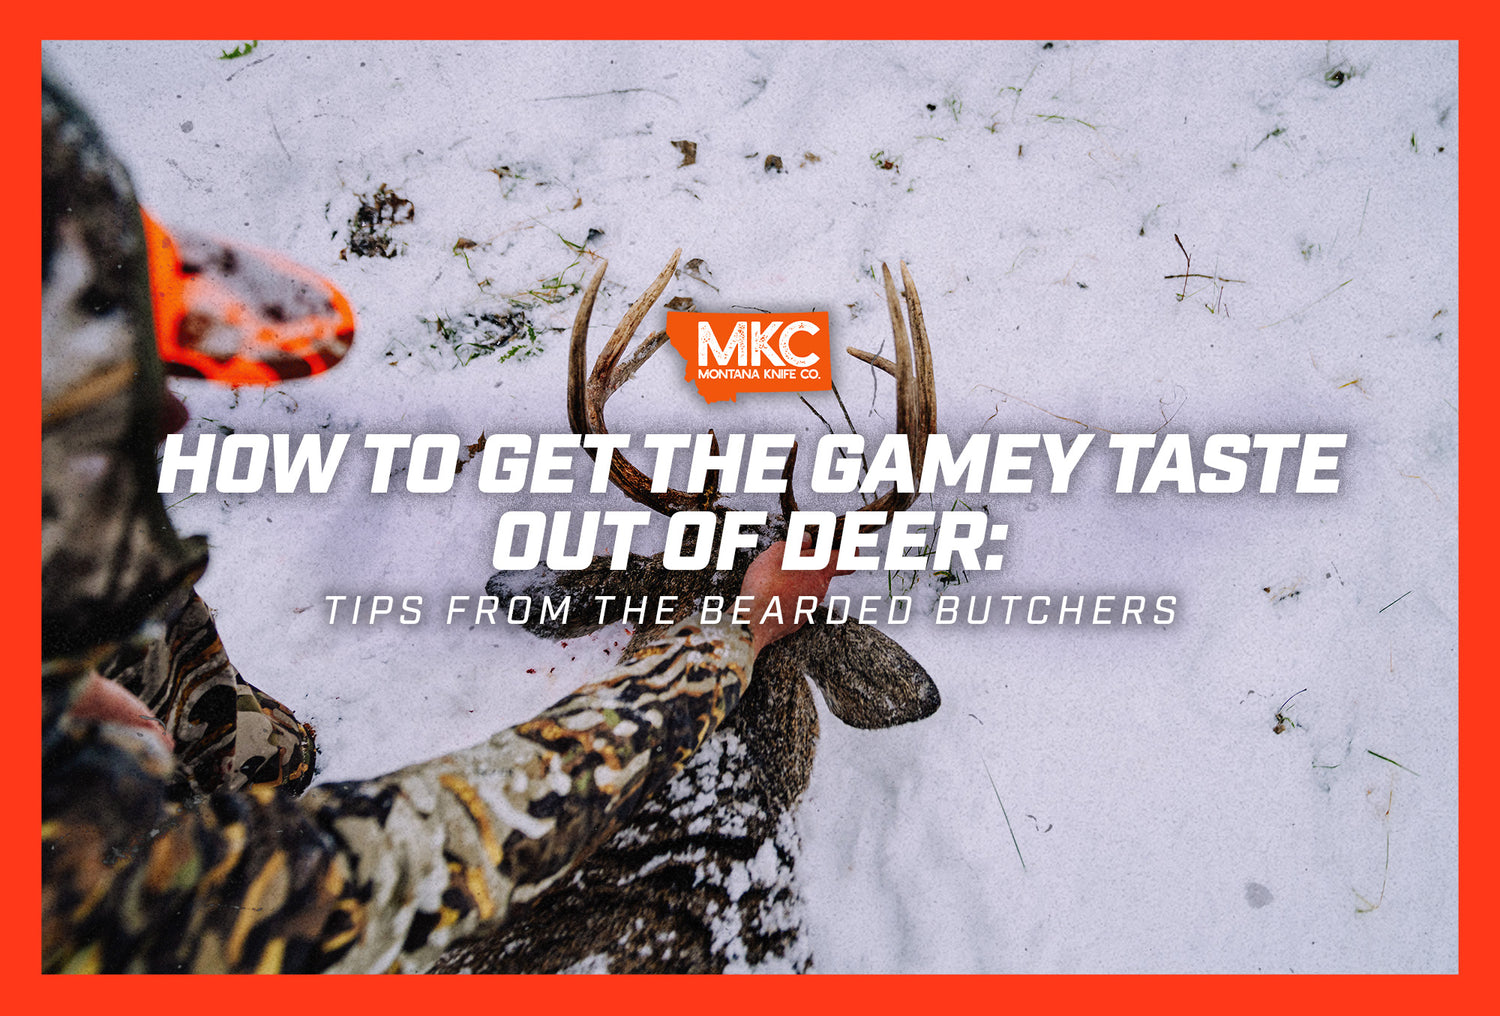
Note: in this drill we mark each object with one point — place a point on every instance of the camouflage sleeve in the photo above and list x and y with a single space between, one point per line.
230 735
362 876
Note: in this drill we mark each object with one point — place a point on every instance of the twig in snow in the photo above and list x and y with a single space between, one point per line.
612 91
1385 876
256 63
1397 600
1002 810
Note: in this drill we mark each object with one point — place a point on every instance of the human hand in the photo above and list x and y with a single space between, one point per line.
104 701
766 578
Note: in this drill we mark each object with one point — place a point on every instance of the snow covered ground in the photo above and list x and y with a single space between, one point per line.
1035 190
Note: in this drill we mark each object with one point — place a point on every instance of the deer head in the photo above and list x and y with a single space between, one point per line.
867 680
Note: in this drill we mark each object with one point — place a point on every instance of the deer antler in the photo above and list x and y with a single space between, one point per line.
916 395
916 392
586 399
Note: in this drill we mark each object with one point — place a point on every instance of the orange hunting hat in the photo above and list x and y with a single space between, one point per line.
239 315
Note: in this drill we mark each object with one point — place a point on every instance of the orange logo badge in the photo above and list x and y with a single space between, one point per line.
729 354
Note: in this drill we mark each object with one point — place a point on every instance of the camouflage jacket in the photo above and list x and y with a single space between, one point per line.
144 871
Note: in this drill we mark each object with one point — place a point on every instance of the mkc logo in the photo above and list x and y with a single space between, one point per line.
727 354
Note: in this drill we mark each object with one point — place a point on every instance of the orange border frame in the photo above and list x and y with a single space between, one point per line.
21 406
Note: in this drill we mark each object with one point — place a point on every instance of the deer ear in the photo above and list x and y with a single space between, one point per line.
867 680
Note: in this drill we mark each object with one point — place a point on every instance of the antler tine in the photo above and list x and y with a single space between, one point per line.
789 499
578 355
604 367
916 389
626 370
586 398
908 404
906 408
715 476
873 359
922 353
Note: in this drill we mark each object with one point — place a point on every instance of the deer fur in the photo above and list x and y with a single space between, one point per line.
703 877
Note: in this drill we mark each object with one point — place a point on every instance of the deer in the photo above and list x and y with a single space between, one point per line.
702 878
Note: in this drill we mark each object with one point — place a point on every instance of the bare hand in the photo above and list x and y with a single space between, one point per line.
107 702
766 578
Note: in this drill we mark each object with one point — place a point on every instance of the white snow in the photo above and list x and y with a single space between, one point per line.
1163 825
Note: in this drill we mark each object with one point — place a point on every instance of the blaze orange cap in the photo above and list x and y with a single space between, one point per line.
239 315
